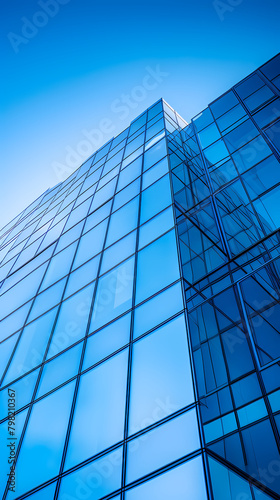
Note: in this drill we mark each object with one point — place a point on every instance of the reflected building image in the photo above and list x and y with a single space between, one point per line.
140 313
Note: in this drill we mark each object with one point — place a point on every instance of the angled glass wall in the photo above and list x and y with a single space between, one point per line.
139 338
226 181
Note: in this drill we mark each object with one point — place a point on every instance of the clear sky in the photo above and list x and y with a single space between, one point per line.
76 72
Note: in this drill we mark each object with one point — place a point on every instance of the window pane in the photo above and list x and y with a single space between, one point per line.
184 482
123 221
163 445
226 484
107 340
6 349
90 244
46 493
31 347
24 390
114 294
4 465
155 227
161 375
99 478
128 174
44 439
59 370
72 321
154 154
155 173
155 311
159 256
14 322
47 299
151 202
101 398
82 276
59 266
118 252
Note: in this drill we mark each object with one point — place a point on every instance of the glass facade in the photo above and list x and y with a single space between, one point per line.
139 307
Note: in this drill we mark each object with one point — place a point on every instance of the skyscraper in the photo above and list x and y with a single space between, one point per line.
140 348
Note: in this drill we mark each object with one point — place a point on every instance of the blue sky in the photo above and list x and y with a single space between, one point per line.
78 71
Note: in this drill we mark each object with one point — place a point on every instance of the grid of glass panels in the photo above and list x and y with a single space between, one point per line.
226 183
94 340
139 312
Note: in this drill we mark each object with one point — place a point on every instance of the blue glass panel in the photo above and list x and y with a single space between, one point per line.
82 276
154 154
213 430
158 309
261 178
59 266
123 221
163 445
184 482
13 322
72 321
31 347
104 194
118 252
4 452
94 481
152 260
154 173
6 349
240 135
271 68
227 485
23 388
106 341
21 292
268 114
129 159
134 144
154 129
130 173
231 117
223 104
44 439
126 194
99 215
260 495
252 412
155 227
161 377
151 203
90 244
60 370
273 133
114 294
203 119
258 98
69 237
208 135
46 493
251 153
268 209
216 152
155 110
248 86
101 398
138 123
47 299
